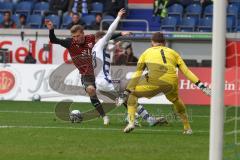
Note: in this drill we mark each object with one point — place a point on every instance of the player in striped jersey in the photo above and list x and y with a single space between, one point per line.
104 82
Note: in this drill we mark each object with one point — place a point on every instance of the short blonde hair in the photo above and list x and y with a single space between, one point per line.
76 28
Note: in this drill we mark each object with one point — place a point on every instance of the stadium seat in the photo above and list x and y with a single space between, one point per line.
176 10
230 23
97 7
196 18
55 19
191 62
40 8
168 24
15 18
155 23
208 11
6 6
139 14
236 3
1 18
66 20
24 7
205 24
187 24
194 10
206 63
108 17
232 11
88 19
233 1
238 28
35 21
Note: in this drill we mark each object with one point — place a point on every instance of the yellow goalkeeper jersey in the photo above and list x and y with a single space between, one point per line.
161 63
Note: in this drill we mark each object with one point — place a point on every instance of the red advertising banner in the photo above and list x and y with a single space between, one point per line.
192 95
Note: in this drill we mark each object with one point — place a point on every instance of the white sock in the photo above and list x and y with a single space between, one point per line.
142 112
145 115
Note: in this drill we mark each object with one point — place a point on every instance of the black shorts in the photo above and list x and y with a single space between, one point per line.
88 80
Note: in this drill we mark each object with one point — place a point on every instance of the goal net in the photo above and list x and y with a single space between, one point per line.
232 99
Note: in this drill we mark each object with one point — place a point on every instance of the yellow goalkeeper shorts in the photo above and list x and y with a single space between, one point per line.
147 89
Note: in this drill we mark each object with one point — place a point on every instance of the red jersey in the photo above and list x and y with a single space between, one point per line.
81 54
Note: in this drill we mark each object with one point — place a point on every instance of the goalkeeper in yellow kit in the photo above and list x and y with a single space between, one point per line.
161 63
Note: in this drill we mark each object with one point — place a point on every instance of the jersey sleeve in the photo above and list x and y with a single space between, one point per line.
104 40
185 70
115 36
63 42
138 73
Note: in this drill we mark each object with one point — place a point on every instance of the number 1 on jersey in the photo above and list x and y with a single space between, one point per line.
163 56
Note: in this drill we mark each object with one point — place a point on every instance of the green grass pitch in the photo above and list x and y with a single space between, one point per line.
31 131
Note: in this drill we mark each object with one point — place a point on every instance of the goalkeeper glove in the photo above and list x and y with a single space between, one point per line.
205 89
123 98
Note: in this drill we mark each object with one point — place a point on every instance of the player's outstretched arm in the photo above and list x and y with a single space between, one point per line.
113 26
124 33
53 39
192 77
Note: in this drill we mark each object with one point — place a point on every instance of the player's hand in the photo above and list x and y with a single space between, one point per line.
119 101
122 99
126 33
205 89
48 23
121 12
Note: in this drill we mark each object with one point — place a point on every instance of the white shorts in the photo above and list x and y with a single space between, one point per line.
103 85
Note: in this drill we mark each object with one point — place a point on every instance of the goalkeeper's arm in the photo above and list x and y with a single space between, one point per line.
192 77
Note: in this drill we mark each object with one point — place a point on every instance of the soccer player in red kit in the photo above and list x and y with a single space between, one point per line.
80 49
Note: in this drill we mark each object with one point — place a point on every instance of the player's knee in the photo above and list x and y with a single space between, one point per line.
91 90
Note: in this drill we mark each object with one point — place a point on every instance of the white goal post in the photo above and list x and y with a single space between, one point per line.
218 78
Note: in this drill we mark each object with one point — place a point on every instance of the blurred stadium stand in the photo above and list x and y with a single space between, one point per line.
205 24
190 18
169 24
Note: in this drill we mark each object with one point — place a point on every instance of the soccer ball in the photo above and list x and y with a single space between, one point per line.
75 116
36 97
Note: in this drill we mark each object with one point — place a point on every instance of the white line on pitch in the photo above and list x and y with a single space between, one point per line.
25 112
111 114
91 128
